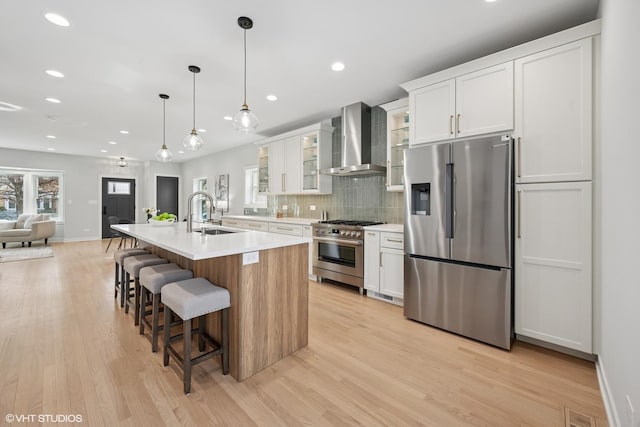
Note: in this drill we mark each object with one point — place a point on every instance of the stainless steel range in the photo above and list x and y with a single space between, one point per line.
338 251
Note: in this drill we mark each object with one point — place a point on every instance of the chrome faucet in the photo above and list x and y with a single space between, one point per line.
212 208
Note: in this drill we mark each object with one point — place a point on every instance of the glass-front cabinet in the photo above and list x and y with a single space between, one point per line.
289 169
263 169
397 141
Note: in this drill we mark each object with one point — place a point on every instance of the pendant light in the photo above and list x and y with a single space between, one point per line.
122 162
163 154
193 141
245 120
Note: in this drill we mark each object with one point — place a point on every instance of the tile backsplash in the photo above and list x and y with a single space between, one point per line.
356 197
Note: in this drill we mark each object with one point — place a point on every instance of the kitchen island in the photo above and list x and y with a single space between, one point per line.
266 275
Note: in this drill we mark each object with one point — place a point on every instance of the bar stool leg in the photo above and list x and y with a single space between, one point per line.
116 282
154 323
122 286
166 335
127 289
201 334
186 335
225 341
136 301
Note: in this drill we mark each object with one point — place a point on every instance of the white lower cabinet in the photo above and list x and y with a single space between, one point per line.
553 284
384 265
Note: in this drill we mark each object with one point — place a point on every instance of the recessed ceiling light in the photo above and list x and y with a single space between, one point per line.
337 66
54 100
55 73
51 149
112 142
180 152
54 18
202 130
124 132
228 118
5 106
51 136
272 98
489 1
103 151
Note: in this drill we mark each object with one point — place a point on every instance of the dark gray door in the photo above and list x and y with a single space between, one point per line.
167 194
118 199
482 201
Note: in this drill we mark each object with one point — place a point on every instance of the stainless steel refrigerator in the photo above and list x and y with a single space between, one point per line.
458 237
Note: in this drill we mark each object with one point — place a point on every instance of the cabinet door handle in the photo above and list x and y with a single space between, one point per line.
451 124
518 148
458 123
371 234
519 207
282 182
394 240
380 259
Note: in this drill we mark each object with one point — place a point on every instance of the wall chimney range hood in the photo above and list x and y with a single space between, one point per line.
355 155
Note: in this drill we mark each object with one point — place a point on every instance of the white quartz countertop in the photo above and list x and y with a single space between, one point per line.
286 220
393 228
195 246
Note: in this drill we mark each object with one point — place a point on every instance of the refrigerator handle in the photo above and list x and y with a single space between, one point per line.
519 234
448 191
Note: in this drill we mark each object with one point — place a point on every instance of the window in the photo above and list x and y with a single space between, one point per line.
252 198
118 187
199 208
30 191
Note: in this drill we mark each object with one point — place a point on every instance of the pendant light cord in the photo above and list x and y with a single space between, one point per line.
245 68
164 120
194 100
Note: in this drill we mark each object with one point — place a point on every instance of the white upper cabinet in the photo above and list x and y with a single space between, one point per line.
553 114
397 141
293 161
472 104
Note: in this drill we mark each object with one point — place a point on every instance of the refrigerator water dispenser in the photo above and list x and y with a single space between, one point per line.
421 199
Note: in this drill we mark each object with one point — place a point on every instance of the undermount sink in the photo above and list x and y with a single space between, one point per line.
215 231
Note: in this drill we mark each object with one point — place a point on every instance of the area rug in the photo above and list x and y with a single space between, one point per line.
21 254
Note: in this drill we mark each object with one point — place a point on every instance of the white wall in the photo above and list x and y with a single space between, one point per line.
81 186
619 339
232 162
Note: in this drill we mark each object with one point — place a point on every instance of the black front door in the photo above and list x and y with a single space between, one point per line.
167 194
118 199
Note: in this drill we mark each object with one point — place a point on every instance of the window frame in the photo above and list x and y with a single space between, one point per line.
30 189
253 199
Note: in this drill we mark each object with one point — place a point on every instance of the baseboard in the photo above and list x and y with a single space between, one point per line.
555 347
607 398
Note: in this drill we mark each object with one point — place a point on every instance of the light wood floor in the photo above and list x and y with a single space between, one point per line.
66 347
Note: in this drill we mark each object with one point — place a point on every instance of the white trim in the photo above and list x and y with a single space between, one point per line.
607 397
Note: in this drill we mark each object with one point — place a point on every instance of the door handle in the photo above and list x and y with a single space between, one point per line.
104 210
518 163
451 124
458 123
519 234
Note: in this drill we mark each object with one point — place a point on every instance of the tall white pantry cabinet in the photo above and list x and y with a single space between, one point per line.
543 92
553 167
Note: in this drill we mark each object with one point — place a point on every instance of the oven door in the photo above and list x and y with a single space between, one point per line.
338 255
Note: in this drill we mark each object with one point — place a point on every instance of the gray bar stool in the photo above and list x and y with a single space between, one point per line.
190 299
118 257
152 280
132 266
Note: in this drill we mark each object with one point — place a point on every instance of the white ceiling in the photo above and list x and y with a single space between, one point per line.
118 55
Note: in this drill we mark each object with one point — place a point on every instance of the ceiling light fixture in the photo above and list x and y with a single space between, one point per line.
202 130
163 154
245 120
51 136
51 149
103 151
54 18
122 163
228 118
272 98
124 132
111 142
55 73
337 66
5 106
53 100
193 141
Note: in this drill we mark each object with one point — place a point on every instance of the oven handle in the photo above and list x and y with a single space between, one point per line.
338 241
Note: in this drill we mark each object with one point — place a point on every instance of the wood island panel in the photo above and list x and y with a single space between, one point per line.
269 304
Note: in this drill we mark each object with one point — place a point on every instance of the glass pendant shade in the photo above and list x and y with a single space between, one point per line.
193 141
164 155
245 120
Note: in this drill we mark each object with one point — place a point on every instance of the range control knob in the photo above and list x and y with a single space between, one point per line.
357 234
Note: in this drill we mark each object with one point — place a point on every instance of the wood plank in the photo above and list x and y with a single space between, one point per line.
66 347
